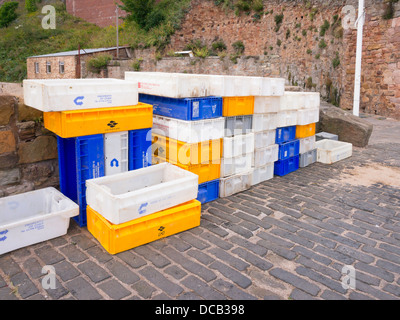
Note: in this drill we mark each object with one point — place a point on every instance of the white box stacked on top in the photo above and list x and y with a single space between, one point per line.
78 94
183 85
131 195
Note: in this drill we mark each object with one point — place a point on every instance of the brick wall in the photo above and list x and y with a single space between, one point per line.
69 67
299 57
99 12
28 152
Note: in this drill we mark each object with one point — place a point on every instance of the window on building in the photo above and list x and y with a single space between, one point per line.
48 67
36 67
62 68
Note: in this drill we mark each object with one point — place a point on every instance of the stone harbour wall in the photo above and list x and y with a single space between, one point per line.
28 152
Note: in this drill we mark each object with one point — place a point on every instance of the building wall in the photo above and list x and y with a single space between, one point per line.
99 12
69 67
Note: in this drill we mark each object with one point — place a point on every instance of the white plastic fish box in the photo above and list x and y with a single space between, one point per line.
307 116
265 155
172 85
189 131
307 144
264 122
238 145
126 196
299 100
243 86
264 139
262 174
75 94
267 104
33 217
286 118
331 151
235 165
234 184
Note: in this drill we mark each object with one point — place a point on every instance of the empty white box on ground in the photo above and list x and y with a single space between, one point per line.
33 217
331 151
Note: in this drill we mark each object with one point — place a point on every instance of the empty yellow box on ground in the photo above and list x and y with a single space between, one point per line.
305 131
237 106
118 238
206 171
75 123
186 153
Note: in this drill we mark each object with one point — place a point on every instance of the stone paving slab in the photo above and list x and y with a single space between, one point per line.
287 238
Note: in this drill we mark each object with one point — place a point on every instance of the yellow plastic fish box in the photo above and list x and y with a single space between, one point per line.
184 153
237 106
116 238
305 131
76 123
206 171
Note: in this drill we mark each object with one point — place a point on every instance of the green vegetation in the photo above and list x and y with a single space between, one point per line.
336 61
219 46
389 9
238 46
31 6
278 21
22 34
8 13
242 6
99 63
322 44
324 28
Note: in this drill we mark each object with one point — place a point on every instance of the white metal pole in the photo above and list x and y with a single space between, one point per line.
117 23
357 80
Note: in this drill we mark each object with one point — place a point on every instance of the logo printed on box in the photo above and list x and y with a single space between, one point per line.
143 208
162 231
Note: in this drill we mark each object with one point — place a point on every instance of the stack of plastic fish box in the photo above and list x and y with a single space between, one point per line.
251 120
101 129
188 127
129 209
296 122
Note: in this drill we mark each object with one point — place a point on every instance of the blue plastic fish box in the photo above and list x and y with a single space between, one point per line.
208 191
285 134
284 167
186 108
83 158
289 149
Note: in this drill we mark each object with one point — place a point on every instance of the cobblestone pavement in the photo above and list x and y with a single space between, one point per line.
287 238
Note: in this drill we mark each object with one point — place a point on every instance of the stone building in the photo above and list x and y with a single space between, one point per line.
69 64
